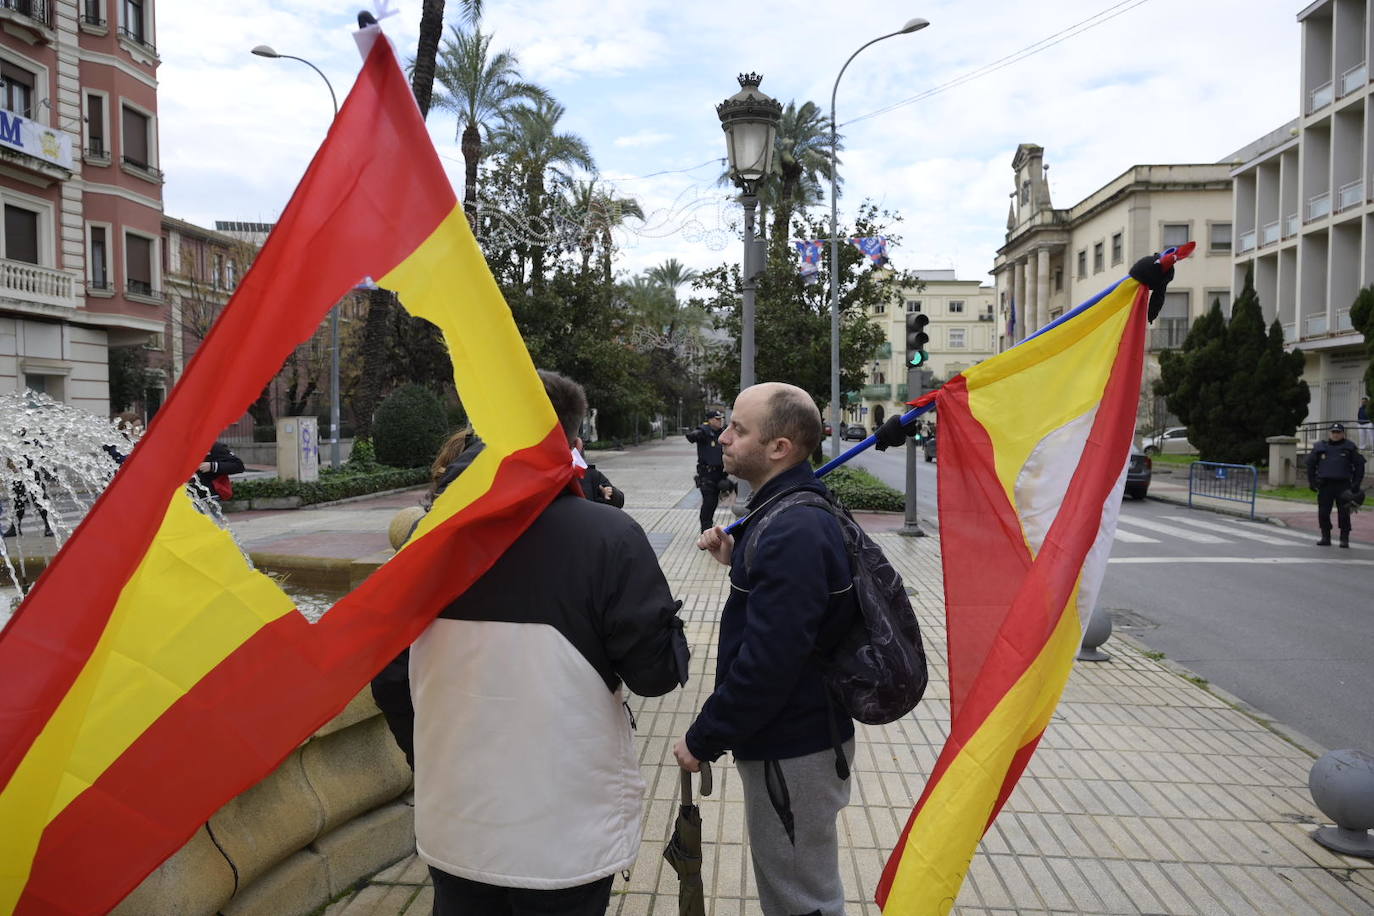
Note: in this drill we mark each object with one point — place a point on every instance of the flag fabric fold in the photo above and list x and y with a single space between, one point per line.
151 675
1034 447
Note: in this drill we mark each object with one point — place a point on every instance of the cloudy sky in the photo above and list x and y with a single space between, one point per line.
1156 81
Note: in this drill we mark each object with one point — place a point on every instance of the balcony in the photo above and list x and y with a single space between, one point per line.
1247 242
1320 97
1354 78
142 289
136 37
142 169
1350 195
31 283
1314 326
901 392
1169 334
986 316
97 153
876 392
1290 333
884 350
1269 233
1343 322
37 10
1319 206
1290 225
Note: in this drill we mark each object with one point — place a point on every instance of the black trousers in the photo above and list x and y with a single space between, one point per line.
708 481
454 896
1327 492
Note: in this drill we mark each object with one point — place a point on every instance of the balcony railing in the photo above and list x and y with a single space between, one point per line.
1169 334
1349 195
97 152
140 166
1319 206
1290 333
1269 233
986 316
1320 97
37 10
20 280
876 392
1354 78
901 391
104 285
1247 242
138 39
1290 225
142 288
1314 325
1343 322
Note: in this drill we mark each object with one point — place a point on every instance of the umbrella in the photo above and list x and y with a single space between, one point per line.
684 849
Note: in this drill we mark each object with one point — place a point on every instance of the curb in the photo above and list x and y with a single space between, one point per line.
1220 510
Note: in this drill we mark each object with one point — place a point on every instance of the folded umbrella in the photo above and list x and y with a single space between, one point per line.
684 849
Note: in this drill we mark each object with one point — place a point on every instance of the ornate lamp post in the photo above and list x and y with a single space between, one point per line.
913 25
266 51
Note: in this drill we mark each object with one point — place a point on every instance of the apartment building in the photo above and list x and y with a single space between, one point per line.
1304 206
1055 259
962 332
80 259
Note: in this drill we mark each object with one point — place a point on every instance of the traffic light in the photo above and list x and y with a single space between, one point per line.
916 339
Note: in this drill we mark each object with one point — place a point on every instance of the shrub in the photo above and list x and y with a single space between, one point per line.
409 427
339 485
860 491
363 456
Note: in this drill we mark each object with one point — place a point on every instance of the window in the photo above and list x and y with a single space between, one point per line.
133 20
231 281
18 89
1058 279
878 308
1025 192
1219 237
1175 234
1118 254
155 342
91 12
1098 265
956 338
1171 327
1082 264
136 143
100 258
21 234
138 264
97 147
913 305
216 271
956 306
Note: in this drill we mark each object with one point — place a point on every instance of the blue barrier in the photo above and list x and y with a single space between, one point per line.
1235 482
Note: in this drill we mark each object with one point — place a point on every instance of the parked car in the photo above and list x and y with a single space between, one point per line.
828 428
1138 473
855 432
1173 441
928 443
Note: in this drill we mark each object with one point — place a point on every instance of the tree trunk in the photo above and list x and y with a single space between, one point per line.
261 409
374 354
606 242
536 201
431 30
472 153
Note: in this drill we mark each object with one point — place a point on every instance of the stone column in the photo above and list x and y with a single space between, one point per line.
1018 275
1042 286
1033 322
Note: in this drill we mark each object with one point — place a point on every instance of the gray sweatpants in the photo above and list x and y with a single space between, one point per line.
803 878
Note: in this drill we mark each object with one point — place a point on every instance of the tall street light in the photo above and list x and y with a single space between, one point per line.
266 51
913 25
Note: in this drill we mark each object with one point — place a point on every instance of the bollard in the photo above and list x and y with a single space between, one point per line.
1099 628
1342 785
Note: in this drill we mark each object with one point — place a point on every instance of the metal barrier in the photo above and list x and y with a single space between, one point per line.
1235 482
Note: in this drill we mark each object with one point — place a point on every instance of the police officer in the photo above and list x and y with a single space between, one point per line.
1334 466
710 465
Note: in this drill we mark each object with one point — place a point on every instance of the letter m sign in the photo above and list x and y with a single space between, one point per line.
10 126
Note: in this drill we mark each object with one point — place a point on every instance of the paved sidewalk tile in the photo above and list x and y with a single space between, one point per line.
1148 794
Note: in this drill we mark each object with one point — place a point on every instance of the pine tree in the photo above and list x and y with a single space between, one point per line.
1362 317
1233 384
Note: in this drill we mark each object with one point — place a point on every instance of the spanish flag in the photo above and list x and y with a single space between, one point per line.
1034 445
151 675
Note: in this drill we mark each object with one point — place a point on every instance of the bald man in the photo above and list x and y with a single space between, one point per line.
787 606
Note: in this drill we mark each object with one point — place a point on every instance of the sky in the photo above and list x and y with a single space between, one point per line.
1157 81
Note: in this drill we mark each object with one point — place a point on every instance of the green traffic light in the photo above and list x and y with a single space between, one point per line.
919 358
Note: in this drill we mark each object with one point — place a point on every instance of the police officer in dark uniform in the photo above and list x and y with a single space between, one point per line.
1334 466
711 478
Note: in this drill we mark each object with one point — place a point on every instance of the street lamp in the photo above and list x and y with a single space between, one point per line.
750 121
334 459
913 25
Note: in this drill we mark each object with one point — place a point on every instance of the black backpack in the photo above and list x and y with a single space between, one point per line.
877 672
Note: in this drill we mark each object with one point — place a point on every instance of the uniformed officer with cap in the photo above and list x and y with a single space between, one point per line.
1334 466
711 479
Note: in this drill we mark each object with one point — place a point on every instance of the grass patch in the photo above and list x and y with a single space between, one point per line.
1184 460
1200 681
1296 494
1153 656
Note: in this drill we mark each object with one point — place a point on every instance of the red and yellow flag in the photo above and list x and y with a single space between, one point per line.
1033 448
151 675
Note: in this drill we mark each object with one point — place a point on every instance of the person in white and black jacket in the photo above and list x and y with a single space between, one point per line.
219 460
528 796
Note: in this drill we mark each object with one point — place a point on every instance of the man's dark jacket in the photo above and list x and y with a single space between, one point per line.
707 440
1335 461
222 461
769 701
593 481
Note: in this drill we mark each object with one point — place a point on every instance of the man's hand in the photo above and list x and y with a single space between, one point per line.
685 758
606 492
204 467
719 544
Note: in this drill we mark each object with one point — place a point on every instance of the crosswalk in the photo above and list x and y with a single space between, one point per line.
1209 529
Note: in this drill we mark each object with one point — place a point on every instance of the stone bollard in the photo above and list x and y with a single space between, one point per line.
1342 785
1283 460
1099 629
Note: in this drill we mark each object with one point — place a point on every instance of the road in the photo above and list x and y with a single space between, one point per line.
890 468
1255 609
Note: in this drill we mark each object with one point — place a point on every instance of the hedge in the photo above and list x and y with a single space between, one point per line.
331 486
860 491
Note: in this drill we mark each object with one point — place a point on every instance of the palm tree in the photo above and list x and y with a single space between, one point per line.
482 89
611 213
531 143
801 159
426 50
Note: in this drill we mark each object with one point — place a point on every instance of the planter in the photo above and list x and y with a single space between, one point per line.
276 502
235 505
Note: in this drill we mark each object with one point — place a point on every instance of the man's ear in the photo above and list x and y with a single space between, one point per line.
780 448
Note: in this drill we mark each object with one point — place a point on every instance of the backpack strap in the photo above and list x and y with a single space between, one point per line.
797 496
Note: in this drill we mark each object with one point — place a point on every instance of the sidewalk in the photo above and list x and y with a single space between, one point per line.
1148 794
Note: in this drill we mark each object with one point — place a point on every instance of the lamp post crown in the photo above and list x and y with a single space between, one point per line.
750 121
